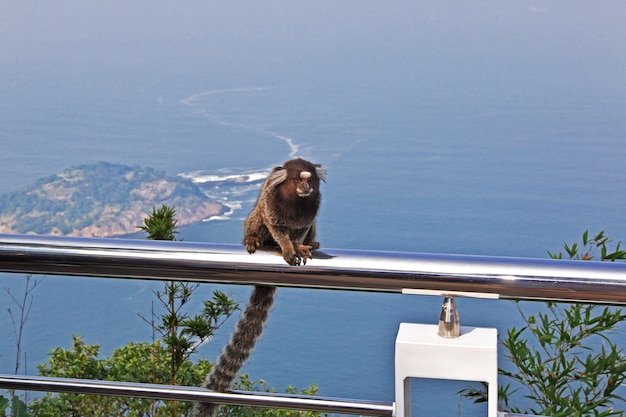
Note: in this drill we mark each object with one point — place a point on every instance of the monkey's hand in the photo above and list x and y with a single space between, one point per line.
291 257
304 252
298 255
252 242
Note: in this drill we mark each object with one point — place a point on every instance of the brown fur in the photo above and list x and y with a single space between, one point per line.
284 215
285 211
248 330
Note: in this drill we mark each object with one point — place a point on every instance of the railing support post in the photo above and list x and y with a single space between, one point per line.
449 321
422 353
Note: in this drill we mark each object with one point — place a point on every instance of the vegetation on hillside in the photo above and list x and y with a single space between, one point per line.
88 199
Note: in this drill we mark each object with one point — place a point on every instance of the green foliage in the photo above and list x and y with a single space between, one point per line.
161 224
17 406
564 361
166 360
181 332
590 246
4 405
245 384
135 362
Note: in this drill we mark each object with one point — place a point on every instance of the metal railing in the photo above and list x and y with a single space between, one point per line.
474 276
178 393
478 276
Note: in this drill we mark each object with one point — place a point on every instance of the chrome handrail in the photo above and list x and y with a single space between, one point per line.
417 273
478 276
195 394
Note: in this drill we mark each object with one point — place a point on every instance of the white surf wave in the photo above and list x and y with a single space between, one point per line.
206 110
292 146
232 206
234 190
188 101
203 177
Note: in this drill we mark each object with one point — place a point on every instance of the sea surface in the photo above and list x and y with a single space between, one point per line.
488 154
508 180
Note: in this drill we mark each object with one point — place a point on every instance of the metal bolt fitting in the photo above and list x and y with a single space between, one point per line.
449 323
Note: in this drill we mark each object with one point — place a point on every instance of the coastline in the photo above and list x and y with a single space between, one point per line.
102 200
127 221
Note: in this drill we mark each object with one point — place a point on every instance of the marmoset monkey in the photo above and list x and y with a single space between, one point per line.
285 211
284 215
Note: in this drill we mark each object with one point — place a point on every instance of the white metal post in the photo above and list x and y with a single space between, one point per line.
422 353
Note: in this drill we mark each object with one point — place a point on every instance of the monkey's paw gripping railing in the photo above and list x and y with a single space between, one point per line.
420 349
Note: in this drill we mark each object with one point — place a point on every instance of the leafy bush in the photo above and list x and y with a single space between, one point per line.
245 384
163 361
564 362
136 362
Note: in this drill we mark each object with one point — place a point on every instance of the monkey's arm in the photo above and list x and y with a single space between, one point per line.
295 245
310 238
282 239
254 231
305 243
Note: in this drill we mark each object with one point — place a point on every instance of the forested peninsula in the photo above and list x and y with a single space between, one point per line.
102 200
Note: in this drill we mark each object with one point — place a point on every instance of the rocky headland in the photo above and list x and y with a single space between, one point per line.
101 200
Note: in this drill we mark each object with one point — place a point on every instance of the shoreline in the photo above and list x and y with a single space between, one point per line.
128 221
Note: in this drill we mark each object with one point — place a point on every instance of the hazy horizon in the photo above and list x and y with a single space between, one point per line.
317 42
482 127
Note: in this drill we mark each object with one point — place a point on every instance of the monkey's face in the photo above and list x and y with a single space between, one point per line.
304 184
296 179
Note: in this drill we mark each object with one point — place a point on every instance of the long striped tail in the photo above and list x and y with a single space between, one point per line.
248 329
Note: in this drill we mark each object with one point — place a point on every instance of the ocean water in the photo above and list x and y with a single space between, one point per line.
512 181
505 140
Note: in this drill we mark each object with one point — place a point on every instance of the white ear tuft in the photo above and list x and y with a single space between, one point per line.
278 176
321 172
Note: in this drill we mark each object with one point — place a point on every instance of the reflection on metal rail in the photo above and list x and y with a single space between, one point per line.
414 273
479 276
172 392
